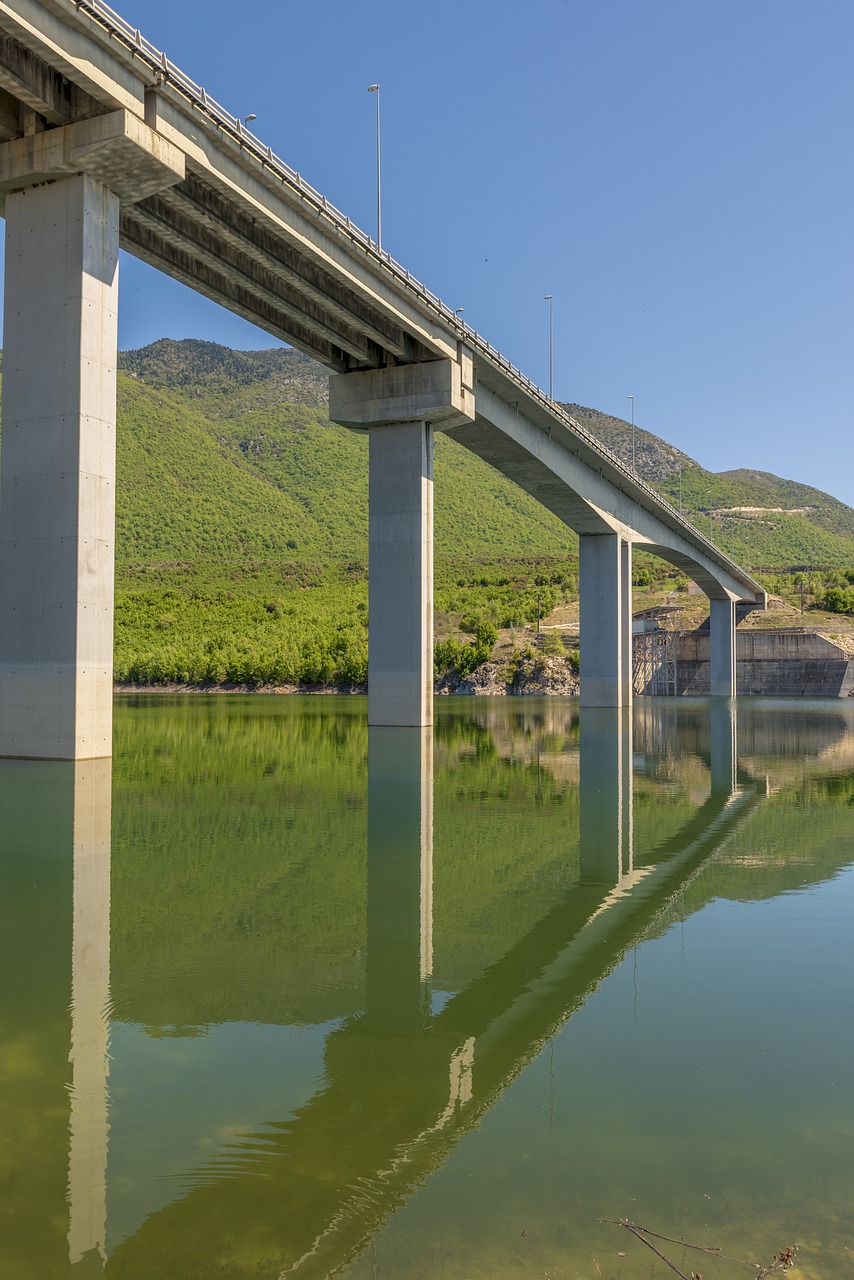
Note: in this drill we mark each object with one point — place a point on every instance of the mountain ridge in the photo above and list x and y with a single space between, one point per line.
269 406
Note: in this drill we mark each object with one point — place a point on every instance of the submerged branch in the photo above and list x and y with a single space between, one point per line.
780 1262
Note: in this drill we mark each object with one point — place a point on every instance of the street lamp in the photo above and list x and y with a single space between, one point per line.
633 430
550 300
374 88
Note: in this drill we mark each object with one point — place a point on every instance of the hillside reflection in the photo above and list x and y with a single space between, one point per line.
327 951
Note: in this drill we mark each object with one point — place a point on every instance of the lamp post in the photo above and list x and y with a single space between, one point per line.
550 300
633 430
374 88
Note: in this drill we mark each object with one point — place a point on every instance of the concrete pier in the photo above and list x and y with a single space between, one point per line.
63 191
722 648
605 620
400 575
401 407
57 484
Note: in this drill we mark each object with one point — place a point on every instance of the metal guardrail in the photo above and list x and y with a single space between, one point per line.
166 71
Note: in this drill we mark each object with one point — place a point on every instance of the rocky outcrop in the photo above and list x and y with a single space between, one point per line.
535 676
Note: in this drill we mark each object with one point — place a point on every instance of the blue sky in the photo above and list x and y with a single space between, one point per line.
678 175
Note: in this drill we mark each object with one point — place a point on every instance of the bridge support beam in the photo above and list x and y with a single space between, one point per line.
401 407
722 648
605 599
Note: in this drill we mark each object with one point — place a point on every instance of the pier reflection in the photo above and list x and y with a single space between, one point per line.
55 947
418 1059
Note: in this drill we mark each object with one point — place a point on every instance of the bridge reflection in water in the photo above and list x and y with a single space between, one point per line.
407 1076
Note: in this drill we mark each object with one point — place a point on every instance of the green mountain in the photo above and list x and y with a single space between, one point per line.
761 519
242 524
225 455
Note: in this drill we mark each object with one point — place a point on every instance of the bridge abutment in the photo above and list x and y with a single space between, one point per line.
605 619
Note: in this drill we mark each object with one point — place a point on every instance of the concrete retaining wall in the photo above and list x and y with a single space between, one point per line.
774 663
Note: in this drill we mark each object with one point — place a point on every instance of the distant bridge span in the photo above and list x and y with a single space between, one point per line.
105 142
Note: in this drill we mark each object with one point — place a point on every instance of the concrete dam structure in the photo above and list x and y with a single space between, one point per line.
781 663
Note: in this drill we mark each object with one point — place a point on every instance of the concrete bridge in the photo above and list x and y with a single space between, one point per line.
105 143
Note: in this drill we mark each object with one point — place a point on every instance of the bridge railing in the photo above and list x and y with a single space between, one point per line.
165 70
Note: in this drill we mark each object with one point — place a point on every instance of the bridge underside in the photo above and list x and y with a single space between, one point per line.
102 150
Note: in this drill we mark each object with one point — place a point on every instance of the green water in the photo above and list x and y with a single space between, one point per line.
285 998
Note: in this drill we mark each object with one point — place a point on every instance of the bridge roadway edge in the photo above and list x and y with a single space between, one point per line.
240 226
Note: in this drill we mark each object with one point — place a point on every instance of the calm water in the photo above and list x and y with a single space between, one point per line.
283 998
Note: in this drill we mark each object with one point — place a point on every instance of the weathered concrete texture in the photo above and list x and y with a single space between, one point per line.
400 575
772 663
57 482
438 392
117 149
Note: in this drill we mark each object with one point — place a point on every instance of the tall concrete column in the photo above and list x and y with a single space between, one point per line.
401 407
63 189
722 648
605 622
58 478
400 572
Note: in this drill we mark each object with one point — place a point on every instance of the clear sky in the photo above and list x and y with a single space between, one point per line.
677 174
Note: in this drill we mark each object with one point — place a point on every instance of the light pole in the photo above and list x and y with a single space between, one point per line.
374 88
633 430
550 300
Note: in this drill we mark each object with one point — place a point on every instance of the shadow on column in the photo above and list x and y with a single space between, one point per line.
55 939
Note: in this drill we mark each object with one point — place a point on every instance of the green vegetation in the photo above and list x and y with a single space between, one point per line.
242 528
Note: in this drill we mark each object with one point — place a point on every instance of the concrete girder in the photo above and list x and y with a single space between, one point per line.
76 48
245 234
10 116
31 80
233 264
255 190
143 237
557 467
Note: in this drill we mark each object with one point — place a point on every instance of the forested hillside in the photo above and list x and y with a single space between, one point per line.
242 526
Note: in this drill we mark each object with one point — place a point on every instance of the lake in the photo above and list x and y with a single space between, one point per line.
285 997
